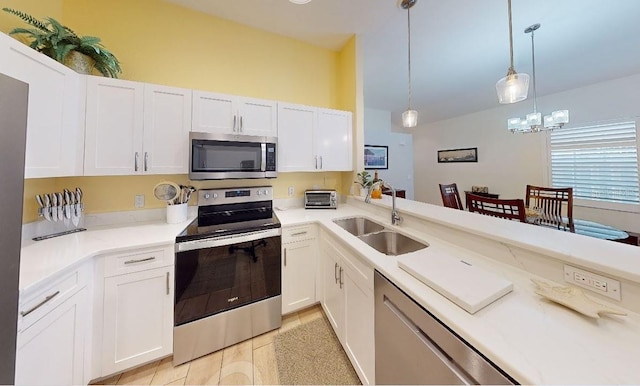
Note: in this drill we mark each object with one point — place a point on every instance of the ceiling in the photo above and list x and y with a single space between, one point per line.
460 48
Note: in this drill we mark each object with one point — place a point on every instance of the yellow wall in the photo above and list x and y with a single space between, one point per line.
159 42
347 97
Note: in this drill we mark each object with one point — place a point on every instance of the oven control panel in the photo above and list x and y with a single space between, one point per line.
234 195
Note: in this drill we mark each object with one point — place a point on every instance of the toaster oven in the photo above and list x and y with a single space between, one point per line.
321 199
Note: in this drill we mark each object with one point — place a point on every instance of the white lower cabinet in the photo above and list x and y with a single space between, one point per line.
348 302
137 313
298 268
358 328
52 334
333 296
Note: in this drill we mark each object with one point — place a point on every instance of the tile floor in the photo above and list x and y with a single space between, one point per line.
252 362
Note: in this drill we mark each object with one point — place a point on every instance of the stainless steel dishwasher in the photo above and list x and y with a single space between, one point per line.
413 347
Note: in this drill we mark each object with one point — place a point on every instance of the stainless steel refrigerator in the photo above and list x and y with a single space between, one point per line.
13 132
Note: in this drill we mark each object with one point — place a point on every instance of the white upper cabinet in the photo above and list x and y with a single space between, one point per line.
113 127
296 124
333 140
258 117
167 122
230 114
55 135
214 113
136 128
313 139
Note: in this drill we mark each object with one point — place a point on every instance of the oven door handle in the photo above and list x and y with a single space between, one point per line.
227 240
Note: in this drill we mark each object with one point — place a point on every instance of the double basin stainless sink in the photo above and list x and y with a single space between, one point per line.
378 237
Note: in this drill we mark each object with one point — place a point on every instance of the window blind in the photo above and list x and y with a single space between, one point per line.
600 162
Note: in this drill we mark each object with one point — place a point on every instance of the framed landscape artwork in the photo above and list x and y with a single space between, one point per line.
458 155
376 157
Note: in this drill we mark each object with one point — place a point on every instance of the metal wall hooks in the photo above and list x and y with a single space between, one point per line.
65 206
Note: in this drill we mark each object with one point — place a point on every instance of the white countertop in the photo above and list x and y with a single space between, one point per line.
533 340
40 260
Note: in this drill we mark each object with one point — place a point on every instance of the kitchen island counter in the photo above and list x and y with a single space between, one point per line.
534 340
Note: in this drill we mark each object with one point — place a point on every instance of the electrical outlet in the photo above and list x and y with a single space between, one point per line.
291 191
600 284
138 202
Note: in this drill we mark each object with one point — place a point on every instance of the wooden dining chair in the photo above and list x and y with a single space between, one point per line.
450 196
508 209
553 205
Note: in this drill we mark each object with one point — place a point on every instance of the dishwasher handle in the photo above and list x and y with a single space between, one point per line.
432 346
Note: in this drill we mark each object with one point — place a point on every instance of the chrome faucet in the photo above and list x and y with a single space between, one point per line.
395 215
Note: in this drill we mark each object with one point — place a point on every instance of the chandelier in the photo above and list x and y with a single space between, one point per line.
534 122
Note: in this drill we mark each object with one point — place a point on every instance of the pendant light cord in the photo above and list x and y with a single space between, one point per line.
409 49
533 59
511 69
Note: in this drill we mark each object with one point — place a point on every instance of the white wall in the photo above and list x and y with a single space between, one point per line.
508 162
377 131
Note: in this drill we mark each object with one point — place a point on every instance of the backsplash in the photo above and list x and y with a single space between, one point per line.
117 193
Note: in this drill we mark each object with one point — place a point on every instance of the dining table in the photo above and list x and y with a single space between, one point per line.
602 231
592 229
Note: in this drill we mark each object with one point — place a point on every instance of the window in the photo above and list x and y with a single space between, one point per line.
599 161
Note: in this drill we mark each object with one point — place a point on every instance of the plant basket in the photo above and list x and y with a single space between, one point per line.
79 62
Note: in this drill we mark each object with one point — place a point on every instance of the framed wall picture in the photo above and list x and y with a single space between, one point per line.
376 157
458 155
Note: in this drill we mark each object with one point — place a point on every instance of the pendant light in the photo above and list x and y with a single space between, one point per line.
533 122
409 117
513 87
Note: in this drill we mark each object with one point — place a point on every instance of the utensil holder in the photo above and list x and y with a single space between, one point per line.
176 213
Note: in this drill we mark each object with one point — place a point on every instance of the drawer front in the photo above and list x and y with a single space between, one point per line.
297 233
37 303
138 260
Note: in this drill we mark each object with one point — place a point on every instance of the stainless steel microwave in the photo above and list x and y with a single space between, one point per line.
222 156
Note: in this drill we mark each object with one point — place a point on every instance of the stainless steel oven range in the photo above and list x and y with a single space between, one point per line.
228 272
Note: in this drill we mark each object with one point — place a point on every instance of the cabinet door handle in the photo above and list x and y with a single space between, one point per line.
335 272
320 162
42 303
135 163
316 162
234 124
299 233
341 282
285 257
139 260
146 161
241 125
167 283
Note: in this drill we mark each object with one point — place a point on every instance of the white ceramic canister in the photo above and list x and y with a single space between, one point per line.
176 213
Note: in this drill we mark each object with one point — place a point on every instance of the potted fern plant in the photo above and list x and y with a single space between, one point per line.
65 46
